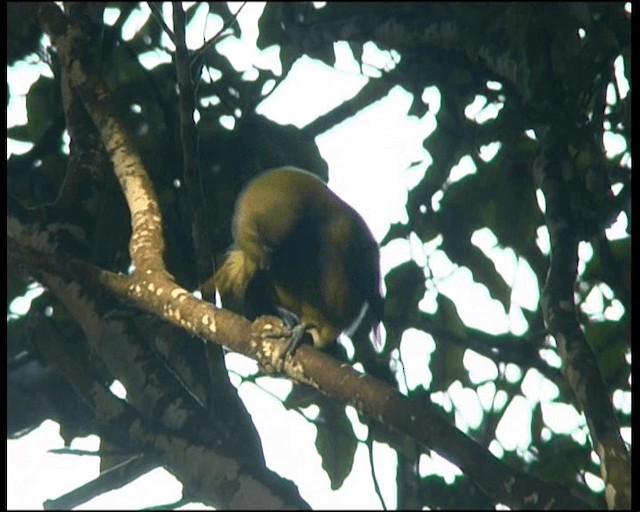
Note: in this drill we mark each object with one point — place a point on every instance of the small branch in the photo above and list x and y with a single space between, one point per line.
374 478
198 55
114 478
373 91
157 14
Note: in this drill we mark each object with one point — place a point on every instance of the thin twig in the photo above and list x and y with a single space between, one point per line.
376 484
198 54
157 14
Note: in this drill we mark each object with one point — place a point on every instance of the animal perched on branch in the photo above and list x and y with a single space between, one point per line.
302 252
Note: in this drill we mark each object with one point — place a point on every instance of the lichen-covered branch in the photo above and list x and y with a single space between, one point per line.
147 240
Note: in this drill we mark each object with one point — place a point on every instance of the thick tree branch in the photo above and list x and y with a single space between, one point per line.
554 172
146 218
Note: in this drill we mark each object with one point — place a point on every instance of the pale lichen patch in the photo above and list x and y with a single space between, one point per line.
294 368
208 321
137 194
177 292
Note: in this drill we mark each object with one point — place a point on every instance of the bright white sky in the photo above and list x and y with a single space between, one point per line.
368 156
